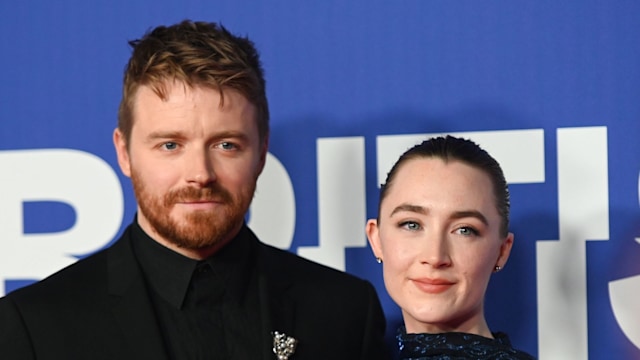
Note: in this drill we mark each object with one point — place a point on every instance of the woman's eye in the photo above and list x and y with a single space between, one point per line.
410 225
467 231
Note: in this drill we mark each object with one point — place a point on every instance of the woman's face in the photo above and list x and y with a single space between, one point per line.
439 239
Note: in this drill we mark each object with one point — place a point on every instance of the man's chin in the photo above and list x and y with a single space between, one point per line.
194 238
205 232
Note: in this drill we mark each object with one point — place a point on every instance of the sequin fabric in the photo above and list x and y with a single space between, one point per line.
457 346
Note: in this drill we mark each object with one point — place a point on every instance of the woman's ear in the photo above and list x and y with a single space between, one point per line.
374 237
505 250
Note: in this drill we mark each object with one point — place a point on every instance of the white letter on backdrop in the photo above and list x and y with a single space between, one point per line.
82 180
583 211
341 200
273 210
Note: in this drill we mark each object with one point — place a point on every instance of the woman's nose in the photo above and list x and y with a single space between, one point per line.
435 251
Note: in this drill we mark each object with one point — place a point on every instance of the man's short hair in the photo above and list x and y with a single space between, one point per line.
196 54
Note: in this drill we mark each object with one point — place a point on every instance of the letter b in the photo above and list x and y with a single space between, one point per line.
83 181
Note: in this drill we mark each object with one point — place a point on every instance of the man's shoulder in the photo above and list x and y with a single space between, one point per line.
86 276
301 269
326 300
79 277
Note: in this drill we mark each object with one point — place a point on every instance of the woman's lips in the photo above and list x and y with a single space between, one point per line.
432 286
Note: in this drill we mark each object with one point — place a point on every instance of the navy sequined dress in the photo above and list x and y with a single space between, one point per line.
457 346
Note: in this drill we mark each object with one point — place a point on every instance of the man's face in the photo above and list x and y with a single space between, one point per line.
193 165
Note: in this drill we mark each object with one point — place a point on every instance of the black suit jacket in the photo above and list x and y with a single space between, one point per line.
99 308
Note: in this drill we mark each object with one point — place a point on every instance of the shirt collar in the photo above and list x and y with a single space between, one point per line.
169 273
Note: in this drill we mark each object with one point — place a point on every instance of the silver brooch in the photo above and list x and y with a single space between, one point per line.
283 345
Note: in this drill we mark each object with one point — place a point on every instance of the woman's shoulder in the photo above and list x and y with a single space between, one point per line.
457 345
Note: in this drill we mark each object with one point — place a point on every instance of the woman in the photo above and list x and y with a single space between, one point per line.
442 230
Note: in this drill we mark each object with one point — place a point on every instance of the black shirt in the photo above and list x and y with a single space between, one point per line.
206 309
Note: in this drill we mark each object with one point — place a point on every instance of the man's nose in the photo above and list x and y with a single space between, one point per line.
199 168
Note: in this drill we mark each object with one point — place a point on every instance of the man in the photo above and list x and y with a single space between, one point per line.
188 279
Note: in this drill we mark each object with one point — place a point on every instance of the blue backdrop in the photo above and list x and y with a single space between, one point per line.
552 89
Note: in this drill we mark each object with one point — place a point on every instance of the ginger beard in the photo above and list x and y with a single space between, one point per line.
197 229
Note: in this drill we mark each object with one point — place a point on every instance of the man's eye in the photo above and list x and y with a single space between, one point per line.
170 145
227 145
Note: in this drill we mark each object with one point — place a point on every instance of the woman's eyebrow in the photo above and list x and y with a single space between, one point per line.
470 213
410 208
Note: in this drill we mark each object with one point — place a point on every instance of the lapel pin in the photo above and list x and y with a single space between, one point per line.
283 345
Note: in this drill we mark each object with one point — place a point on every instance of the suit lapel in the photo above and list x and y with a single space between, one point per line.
131 304
134 314
277 308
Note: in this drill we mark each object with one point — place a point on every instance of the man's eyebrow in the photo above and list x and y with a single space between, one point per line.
165 135
172 134
231 134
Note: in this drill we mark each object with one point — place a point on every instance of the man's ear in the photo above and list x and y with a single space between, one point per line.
263 154
120 144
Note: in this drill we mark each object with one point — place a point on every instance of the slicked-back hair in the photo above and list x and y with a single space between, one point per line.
450 149
196 54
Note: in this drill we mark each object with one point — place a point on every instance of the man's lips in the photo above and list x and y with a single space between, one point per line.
199 200
432 285
199 204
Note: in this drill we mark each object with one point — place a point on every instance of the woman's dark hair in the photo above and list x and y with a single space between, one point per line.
449 149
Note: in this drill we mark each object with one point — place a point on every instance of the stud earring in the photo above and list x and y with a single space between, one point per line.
497 268
378 260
